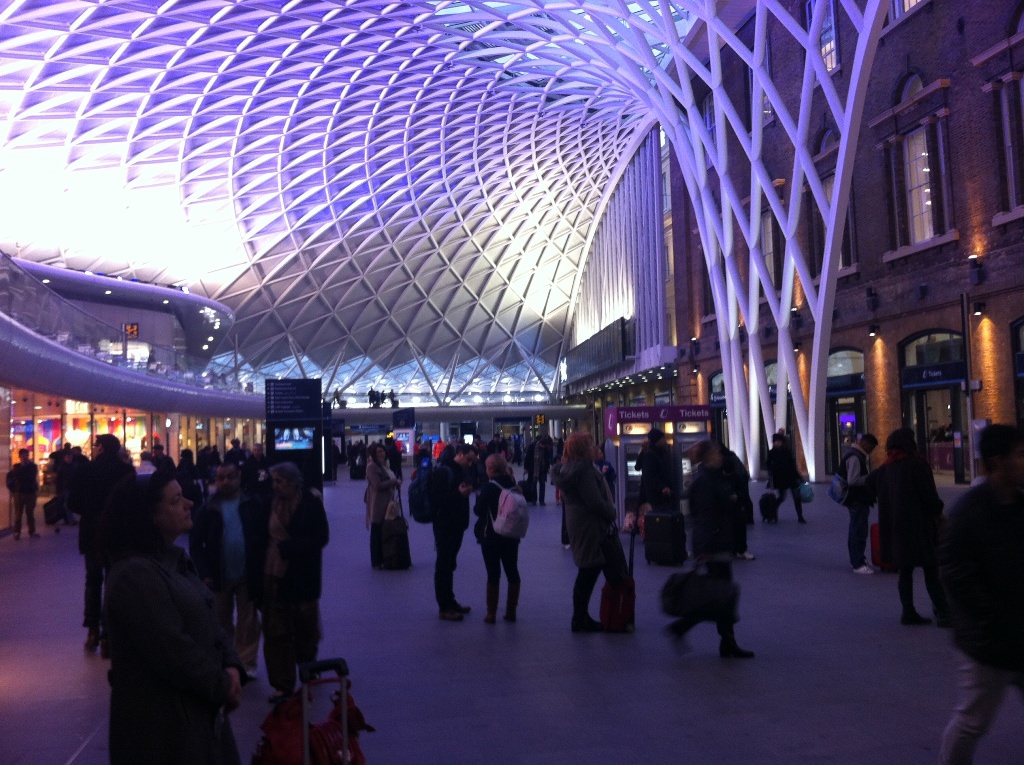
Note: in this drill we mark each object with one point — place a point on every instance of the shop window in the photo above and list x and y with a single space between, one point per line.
816 221
933 348
827 39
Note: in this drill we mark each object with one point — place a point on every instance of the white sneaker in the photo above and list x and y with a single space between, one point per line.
865 569
745 555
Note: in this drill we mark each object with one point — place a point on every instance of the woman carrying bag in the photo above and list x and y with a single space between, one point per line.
381 485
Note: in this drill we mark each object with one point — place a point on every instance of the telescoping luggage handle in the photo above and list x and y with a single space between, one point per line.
309 674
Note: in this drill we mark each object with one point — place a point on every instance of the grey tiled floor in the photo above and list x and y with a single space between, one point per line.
836 678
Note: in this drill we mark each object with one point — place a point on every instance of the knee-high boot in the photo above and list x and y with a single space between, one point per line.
493 593
513 602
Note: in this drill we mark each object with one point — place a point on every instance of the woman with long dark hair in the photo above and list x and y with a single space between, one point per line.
173 673
381 484
589 518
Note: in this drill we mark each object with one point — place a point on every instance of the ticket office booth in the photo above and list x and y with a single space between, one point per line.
626 429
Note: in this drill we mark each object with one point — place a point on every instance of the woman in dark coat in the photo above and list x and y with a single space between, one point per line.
174 675
716 513
380 490
783 474
589 518
909 512
292 566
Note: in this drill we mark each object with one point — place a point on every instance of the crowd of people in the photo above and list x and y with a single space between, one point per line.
183 629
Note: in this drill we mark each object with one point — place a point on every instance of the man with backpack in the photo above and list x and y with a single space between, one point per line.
451 483
859 498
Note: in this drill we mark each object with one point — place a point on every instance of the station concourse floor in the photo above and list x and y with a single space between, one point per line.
836 679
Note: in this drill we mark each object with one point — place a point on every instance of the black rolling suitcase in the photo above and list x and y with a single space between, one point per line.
769 504
529 491
665 538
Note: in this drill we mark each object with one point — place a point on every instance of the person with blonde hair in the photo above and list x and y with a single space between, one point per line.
589 519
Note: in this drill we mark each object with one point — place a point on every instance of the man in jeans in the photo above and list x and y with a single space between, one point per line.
858 500
224 546
980 568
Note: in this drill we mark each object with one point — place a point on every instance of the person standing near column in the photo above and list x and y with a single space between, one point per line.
23 482
90 487
224 545
859 499
296 533
451 483
980 567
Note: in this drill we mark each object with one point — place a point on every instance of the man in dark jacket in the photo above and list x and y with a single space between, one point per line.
655 468
783 474
451 483
859 499
90 487
23 482
221 544
982 570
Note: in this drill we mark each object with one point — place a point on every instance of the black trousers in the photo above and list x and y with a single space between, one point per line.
447 542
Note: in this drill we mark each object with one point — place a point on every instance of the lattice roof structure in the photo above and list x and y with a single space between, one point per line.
397 195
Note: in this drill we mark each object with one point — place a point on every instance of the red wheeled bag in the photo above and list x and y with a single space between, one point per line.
290 739
618 599
879 552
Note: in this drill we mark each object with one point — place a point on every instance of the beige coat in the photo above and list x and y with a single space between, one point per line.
380 488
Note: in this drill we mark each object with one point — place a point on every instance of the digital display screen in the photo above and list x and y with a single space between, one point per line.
293 439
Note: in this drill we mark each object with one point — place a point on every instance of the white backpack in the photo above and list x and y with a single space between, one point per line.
513 514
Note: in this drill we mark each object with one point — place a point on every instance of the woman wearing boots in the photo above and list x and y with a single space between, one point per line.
380 489
498 551
716 513
589 514
909 512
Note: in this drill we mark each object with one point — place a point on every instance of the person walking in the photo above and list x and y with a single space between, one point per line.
716 513
90 487
980 568
451 483
498 551
538 463
656 476
23 483
225 544
735 472
296 532
859 499
173 677
783 474
589 519
909 512
381 485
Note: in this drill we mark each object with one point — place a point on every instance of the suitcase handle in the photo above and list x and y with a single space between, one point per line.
311 670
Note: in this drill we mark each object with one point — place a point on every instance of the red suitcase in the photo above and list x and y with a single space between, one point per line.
878 555
618 600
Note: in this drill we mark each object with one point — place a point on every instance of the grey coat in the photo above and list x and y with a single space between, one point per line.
379 491
168 660
588 509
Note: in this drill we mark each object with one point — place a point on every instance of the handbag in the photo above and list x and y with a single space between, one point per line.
697 596
615 568
806 491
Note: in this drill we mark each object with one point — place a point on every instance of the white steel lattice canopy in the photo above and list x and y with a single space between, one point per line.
402 195
392 195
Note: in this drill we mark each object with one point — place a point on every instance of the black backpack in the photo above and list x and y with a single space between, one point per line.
419 493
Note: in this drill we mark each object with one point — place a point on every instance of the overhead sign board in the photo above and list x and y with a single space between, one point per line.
298 399
615 415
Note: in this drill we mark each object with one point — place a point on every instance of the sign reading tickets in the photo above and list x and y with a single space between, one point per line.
297 399
616 415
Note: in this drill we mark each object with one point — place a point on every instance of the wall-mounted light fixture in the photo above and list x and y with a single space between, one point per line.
694 347
796 347
873 330
977 270
979 308
922 291
796 321
872 299
695 370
